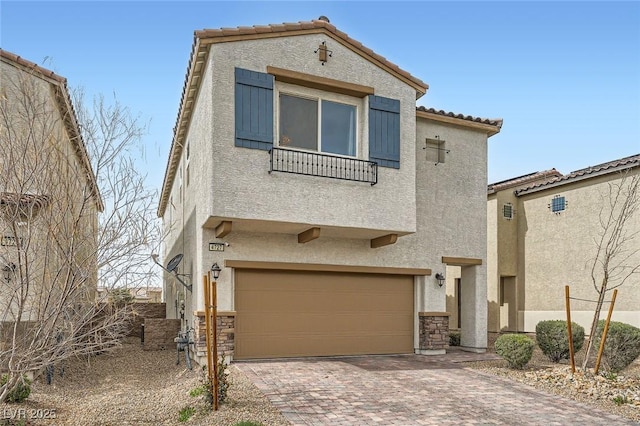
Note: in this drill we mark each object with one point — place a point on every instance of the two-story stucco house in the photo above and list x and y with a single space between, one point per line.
543 230
301 165
49 201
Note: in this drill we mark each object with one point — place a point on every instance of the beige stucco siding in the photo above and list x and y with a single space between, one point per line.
437 235
240 184
41 161
558 250
493 277
437 211
182 224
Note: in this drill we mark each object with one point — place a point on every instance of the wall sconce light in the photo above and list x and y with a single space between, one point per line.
8 271
441 279
323 53
215 270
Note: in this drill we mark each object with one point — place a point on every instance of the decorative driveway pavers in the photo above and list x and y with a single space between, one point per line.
409 390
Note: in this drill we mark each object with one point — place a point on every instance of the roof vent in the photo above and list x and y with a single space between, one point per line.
323 18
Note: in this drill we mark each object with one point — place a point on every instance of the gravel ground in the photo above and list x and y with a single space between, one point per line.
595 390
135 387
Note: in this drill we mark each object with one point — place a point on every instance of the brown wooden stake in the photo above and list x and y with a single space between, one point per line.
571 349
207 321
214 314
604 332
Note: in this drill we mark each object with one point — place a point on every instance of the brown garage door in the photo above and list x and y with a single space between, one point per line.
302 313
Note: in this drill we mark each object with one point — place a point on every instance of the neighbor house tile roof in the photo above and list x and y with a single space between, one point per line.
589 172
32 65
523 180
67 112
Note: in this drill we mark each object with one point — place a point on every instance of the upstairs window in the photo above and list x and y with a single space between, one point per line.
558 204
317 125
314 123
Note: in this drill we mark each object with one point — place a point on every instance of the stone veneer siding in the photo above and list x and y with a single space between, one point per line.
434 330
159 333
226 328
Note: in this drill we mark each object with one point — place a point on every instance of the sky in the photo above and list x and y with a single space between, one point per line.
564 76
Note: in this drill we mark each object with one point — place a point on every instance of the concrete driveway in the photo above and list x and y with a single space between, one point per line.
409 390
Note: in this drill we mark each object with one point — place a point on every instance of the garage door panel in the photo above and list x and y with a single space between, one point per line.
321 323
308 345
302 313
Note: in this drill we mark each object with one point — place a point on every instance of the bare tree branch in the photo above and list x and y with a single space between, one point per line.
617 246
55 248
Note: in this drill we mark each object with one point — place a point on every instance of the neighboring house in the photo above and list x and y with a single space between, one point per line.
49 200
301 165
140 295
542 229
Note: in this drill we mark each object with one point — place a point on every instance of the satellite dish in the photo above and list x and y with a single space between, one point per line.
174 262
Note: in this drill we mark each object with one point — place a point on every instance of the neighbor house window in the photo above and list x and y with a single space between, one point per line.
558 204
317 125
507 211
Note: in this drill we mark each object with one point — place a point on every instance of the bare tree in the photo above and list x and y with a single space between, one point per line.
617 249
128 228
74 212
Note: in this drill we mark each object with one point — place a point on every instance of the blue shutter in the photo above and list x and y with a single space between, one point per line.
254 109
384 131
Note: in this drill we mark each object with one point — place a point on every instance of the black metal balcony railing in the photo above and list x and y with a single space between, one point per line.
323 165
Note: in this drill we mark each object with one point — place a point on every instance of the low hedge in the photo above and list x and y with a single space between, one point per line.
552 337
516 349
622 346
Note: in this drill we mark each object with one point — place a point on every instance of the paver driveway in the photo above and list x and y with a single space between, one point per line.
409 390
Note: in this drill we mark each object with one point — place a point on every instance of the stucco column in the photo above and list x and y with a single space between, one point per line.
430 307
473 298
435 297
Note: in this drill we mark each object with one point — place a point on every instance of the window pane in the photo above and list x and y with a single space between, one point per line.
338 128
298 123
557 204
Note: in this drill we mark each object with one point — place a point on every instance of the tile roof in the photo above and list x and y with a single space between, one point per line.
493 122
32 65
63 100
593 171
523 180
304 27
204 38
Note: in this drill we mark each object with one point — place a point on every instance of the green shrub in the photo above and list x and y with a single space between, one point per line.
223 379
20 392
206 387
516 349
200 390
186 413
553 338
454 338
621 399
622 346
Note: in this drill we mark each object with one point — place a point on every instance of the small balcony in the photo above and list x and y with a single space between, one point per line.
322 165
